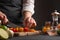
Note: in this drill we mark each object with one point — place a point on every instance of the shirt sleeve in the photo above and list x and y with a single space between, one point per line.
28 5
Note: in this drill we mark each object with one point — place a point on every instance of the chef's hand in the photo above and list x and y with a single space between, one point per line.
3 18
29 21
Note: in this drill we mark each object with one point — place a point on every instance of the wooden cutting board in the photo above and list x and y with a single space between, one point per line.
27 33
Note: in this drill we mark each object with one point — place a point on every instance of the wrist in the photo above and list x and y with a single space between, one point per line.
27 14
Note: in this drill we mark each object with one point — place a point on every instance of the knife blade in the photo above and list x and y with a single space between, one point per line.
10 24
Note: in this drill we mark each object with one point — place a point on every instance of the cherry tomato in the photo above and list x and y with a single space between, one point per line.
32 30
26 29
14 30
11 28
21 29
17 29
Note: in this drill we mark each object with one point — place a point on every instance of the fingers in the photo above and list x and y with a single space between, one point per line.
30 22
3 18
26 22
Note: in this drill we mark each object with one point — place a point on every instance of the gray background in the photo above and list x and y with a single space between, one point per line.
43 10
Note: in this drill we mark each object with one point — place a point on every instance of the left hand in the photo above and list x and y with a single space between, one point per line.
29 21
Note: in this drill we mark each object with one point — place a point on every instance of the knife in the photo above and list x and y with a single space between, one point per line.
10 24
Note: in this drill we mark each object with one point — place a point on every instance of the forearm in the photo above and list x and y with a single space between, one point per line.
28 7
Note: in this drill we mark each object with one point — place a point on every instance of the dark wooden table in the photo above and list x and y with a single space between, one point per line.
36 37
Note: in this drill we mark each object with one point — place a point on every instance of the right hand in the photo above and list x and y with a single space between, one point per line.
3 17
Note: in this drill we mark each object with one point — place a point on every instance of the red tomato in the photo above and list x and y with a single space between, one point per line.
26 29
14 30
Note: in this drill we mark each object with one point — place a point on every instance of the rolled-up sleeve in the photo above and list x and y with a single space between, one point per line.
28 5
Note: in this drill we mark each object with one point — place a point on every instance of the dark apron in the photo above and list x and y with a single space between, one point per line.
13 10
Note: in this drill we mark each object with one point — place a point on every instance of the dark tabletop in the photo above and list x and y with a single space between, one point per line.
36 37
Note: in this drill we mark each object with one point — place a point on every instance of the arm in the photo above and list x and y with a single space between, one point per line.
28 11
28 6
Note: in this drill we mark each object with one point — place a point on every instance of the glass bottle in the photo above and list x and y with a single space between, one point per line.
55 18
